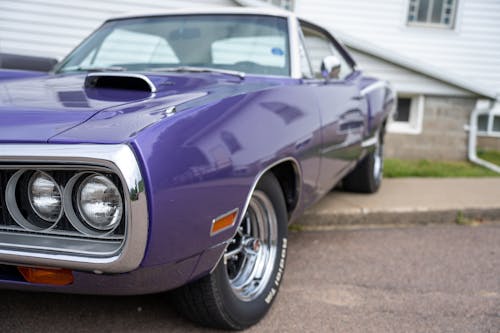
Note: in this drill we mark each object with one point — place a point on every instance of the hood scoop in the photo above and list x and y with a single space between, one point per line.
125 81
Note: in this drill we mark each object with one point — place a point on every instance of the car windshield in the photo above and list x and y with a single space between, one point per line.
243 43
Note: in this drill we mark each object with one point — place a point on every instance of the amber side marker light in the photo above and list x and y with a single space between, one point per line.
57 277
223 222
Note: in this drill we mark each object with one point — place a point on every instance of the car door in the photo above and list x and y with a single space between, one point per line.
343 109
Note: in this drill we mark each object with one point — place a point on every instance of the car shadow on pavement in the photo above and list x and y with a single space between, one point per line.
43 312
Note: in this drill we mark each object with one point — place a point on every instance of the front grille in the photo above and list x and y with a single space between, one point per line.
5 219
61 236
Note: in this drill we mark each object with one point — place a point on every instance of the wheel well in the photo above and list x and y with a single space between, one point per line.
287 174
383 128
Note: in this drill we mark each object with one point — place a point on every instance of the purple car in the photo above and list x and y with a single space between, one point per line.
171 151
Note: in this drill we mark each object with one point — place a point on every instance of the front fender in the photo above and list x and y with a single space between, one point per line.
202 163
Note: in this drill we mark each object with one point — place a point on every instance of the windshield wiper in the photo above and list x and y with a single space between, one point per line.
193 69
92 69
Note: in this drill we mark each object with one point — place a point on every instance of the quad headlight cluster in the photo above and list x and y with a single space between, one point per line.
89 203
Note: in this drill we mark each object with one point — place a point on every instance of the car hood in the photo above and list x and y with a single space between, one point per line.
38 109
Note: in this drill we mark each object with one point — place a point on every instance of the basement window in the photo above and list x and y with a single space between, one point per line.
432 13
482 123
488 124
409 115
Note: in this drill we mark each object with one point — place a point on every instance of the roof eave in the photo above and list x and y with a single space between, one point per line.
415 65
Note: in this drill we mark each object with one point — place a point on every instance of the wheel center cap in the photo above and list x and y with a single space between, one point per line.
256 245
253 245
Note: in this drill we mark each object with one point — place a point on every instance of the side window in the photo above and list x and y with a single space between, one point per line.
318 47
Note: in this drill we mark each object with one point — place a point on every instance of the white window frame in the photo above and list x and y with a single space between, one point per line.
428 24
489 131
285 4
414 124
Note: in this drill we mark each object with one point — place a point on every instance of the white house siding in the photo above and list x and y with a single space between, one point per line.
404 80
53 27
471 50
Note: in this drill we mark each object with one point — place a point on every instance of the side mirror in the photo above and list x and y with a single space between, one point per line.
330 67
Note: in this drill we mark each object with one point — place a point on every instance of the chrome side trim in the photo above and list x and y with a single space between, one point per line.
259 176
118 158
370 142
127 74
374 86
170 111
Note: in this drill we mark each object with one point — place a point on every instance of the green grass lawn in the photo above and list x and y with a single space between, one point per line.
492 156
394 168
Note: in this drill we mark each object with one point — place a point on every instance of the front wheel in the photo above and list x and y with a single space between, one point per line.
241 289
368 174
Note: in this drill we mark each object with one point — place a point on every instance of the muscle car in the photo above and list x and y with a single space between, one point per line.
170 151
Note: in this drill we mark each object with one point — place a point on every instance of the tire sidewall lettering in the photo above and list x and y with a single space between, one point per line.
279 273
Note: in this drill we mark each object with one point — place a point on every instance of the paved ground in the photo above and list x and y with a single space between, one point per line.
412 279
410 200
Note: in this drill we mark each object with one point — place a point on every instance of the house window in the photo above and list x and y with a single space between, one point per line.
409 115
403 111
482 123
285 4
496 124
489 124
432 13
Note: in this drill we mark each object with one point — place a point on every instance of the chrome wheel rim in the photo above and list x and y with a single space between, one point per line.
250 257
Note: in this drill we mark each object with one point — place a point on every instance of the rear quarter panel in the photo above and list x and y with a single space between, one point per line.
381 99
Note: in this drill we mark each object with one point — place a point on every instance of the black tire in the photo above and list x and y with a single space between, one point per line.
215 300
368 174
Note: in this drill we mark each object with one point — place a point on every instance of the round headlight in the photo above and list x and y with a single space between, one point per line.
45 196
99 202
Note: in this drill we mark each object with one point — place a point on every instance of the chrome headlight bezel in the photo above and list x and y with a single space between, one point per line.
39 174
71 207
12 205
54 248
116 217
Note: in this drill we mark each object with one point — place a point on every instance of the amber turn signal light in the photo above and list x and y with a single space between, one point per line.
57 277
223 222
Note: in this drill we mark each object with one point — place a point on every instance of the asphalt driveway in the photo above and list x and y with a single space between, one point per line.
410 279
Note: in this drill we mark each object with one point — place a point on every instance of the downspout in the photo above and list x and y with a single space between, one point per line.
482 107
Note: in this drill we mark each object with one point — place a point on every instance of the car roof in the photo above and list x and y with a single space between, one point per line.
214 10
